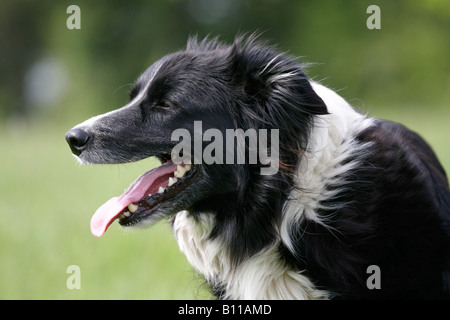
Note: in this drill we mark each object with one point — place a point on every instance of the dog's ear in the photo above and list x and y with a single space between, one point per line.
269 76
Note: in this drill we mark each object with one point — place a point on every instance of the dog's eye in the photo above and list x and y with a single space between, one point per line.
165 105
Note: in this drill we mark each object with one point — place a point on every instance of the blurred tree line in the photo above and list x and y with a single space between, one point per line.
45 68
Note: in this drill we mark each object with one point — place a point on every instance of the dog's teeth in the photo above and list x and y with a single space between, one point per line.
161 189
180 172
126 214
132 207
171 181
187 167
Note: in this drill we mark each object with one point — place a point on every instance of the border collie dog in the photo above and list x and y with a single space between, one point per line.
354 208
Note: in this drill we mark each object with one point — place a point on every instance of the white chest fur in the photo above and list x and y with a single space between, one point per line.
263 276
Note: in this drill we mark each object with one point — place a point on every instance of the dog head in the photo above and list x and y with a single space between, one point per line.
204 91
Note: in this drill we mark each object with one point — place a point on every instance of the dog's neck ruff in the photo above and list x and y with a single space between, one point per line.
266 275
262 276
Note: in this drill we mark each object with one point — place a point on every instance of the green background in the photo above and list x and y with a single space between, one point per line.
52 78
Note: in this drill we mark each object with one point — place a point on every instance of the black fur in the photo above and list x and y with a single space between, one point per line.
246 218
394 211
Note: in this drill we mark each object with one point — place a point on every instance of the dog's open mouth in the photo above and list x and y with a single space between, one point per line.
144 196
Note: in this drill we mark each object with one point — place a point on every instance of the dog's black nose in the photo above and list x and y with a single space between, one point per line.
77 139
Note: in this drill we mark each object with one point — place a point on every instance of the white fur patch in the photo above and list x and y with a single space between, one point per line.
89 123
331 142
262 276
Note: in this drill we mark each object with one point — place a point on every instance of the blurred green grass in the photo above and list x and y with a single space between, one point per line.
47 200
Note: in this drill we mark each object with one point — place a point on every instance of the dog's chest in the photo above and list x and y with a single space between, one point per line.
262 276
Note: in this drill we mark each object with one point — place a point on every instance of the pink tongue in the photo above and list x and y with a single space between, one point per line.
137 191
